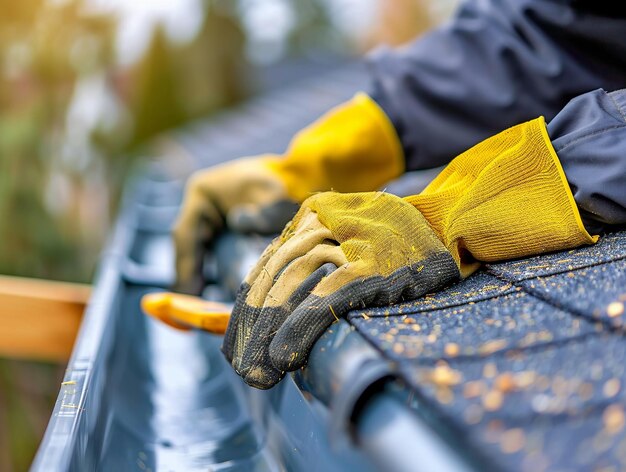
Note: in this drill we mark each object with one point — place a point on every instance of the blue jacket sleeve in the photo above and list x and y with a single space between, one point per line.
589 136
496 64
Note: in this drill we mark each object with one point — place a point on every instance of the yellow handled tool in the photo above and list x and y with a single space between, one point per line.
185 312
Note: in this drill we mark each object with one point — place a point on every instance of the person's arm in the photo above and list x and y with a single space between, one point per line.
495 64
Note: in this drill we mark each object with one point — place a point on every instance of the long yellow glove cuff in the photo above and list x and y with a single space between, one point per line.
506 197
352 148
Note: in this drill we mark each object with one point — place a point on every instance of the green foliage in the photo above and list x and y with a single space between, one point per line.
314 29
157 106
49 169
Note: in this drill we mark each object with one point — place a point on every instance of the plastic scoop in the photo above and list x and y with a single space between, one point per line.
185 312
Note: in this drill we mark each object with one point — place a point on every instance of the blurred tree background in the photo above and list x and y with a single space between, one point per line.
85 86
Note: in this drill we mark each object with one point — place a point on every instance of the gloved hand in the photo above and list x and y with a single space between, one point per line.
506 197
341 252
245 193
352 148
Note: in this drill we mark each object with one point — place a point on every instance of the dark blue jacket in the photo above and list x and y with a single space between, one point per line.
501 62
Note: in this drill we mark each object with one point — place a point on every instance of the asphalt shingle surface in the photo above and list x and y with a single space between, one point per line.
525 358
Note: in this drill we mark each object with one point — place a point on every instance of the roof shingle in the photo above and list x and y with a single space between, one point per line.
525 358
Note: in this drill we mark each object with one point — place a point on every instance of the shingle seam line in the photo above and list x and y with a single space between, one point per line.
504 278
573 311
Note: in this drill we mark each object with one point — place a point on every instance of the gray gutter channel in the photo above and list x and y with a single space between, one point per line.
306 423
79 397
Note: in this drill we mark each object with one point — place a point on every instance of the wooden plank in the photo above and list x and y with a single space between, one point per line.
39 319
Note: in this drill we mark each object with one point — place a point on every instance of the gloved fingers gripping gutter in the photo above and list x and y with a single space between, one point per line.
198 220
284 270
230 336
341 251
245 193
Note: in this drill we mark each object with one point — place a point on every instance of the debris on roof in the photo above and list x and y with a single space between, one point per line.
536 349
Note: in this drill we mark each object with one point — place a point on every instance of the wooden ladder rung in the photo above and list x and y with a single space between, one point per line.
39 319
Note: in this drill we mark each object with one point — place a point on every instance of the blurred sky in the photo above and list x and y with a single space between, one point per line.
181 19
265 21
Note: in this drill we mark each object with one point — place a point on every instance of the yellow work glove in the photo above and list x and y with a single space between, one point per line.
352 148
506 197
340 252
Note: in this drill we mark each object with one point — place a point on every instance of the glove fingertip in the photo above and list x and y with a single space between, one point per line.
285 357
263 377
289 350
